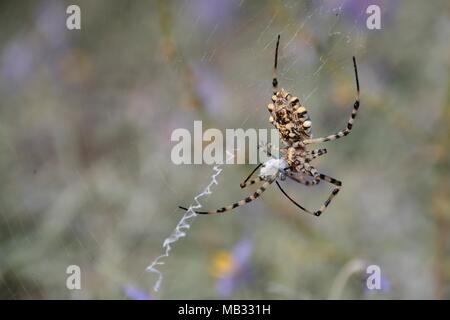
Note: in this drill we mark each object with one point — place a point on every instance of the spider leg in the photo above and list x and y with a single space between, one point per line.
335 191
254 196
349 127
311 155
314 173
244 184
301 179
275 65
267 148
324 177
292 200
251 182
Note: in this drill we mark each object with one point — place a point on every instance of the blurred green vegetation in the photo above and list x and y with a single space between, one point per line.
85 125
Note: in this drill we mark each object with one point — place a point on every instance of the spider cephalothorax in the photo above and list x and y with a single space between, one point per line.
294 162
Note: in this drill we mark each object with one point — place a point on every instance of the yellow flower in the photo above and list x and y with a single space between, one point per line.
221 264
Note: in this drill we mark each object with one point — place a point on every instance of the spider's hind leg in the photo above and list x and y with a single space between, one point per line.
335 191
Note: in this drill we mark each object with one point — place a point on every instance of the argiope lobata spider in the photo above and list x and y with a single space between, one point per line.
294 125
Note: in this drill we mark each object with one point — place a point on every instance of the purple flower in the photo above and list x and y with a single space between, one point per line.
17 62
136 294
242 252
356 9
51 22
385 286
211 90
239 271
212 13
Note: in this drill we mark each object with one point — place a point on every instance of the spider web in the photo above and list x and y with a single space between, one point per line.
300 72
318 41
292 73
48 209
184 224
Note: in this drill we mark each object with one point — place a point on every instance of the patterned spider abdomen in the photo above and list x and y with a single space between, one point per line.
289 117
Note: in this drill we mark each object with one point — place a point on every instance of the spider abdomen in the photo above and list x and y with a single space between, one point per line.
289 117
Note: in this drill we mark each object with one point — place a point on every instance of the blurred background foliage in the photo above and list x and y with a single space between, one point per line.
86 176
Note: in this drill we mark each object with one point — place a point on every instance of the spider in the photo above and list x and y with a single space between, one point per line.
294 126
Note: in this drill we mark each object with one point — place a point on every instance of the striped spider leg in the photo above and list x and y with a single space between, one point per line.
349 127
270 172
306 182
299 179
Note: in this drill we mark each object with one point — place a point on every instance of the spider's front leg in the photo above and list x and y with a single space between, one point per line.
301 179
349 127
313 154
